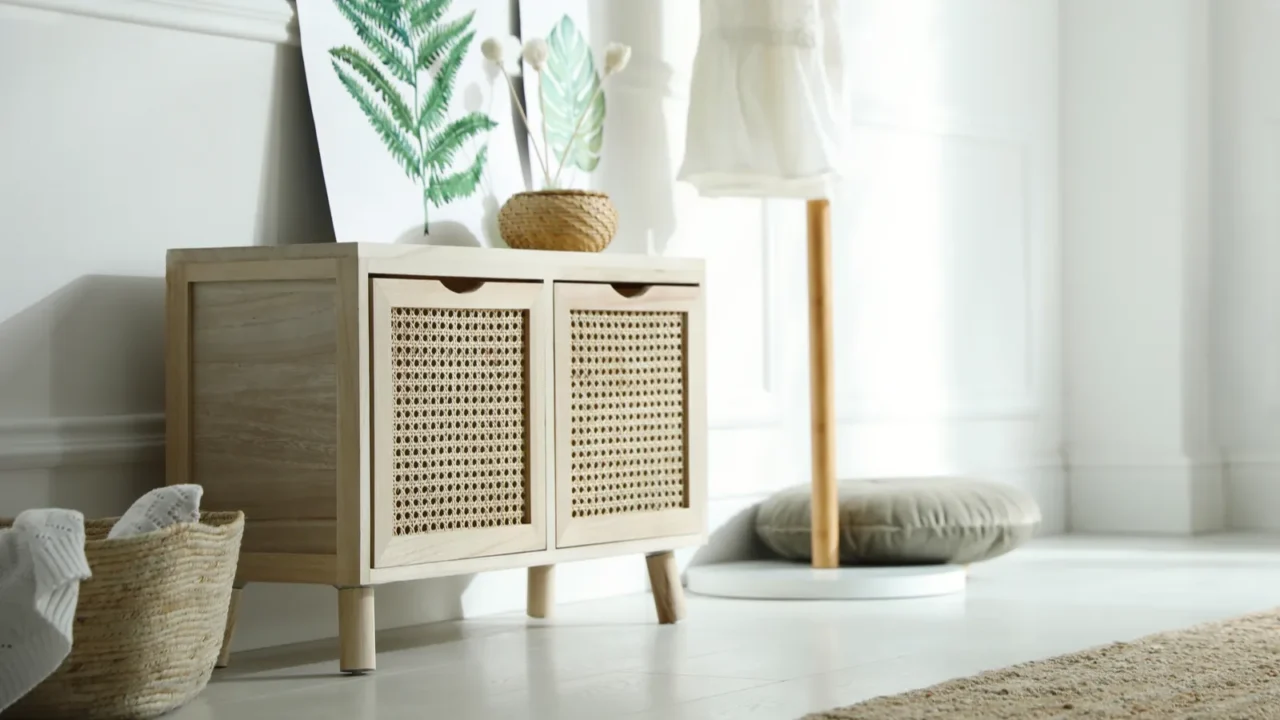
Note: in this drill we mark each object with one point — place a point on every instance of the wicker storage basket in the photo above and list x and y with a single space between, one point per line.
148 625
580 220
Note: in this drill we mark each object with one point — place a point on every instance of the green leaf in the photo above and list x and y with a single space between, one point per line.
434 105
422 13
380 42
442 147
570 87
401 146
440 39
384 15
447 188
365 68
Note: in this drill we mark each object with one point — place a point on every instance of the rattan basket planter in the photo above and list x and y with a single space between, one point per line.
578 220
148 624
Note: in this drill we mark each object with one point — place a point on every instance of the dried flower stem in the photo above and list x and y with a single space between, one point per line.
542 108
515 100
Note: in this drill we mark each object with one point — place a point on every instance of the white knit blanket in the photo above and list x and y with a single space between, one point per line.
42 562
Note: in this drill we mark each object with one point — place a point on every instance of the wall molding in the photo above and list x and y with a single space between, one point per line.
1252 487
1162 496
272 21
48 443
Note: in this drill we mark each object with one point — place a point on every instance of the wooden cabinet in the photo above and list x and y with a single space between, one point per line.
387 412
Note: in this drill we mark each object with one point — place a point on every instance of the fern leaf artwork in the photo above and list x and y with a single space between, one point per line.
402 79
570 90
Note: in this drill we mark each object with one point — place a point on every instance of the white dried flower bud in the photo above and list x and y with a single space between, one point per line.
535 53
492 50
616 57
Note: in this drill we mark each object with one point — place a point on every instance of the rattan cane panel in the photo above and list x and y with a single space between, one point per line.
459 419
627 412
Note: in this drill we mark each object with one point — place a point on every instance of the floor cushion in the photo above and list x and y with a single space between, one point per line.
906 521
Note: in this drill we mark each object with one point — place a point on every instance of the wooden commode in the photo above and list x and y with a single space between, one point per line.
390 412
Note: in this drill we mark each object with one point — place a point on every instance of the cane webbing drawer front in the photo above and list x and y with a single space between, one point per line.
458 418
626 411
624 396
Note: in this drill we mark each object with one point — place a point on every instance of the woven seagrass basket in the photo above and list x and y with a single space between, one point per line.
148 624
580 220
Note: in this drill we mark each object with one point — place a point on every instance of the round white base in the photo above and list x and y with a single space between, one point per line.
783 580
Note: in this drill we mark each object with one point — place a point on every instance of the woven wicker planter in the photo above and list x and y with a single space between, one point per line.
580 220
149 622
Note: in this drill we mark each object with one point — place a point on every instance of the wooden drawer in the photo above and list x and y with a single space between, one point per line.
459 417
630 412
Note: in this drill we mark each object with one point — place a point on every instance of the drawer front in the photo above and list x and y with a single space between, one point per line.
459 419
630 413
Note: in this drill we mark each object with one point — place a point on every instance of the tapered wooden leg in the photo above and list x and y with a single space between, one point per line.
233 611
356 647
542 591
668 593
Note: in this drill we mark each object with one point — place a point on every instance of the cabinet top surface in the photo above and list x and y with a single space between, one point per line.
428 253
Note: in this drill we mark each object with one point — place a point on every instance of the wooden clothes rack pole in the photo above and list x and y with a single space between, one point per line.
822 407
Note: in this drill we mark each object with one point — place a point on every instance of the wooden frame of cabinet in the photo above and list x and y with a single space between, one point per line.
278 369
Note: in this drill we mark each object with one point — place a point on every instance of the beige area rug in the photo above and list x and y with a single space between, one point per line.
1221 671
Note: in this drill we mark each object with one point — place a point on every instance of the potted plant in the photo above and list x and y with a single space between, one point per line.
556 217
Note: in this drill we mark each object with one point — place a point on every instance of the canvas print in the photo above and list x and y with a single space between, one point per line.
415 128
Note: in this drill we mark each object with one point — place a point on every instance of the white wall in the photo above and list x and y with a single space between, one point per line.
1246 269
1136 207
166 124
947 252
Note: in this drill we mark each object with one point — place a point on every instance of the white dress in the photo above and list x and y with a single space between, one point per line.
766 103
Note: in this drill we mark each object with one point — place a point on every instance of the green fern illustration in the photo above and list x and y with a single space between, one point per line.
402 40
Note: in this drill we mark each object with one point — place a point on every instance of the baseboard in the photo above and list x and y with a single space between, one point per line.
1253 492
47 443
272 21
1175 496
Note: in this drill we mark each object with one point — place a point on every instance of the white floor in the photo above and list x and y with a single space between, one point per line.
750 659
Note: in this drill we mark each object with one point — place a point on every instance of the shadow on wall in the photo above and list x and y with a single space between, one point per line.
635 167
93 347
733 541
294 206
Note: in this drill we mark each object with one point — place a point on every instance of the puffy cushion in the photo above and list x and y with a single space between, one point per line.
905 521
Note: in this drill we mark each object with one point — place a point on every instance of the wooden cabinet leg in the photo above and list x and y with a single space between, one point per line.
356 648
668 593
233 612
542 591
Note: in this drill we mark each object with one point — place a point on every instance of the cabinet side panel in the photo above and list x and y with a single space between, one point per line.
264 401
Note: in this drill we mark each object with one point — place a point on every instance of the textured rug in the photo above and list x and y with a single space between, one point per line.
1221 671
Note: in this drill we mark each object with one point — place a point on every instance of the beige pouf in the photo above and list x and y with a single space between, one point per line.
904 521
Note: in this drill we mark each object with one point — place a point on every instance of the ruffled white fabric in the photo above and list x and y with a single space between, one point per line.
766 106
42 562
158 509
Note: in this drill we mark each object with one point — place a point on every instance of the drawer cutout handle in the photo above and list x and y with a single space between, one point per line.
461 285
631 290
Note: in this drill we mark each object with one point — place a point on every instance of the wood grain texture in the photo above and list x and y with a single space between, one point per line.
286 568
687 520
357 645
355 505
379 576
822 404
264 393
508 264
668 593
389 549
303 537
541 598
177 376
233 613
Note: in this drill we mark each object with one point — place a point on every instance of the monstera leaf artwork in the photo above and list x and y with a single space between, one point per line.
571 99
403 80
